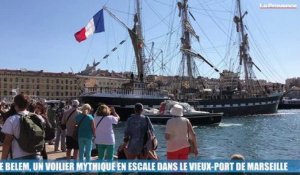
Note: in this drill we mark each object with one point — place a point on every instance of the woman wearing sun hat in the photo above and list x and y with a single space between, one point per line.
178 131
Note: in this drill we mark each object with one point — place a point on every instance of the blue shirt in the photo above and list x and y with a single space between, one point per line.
85 129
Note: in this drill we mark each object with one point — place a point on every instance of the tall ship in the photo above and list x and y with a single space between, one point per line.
237 92
234 96
136 90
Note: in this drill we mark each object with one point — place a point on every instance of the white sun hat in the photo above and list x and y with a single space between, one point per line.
177 110
75 103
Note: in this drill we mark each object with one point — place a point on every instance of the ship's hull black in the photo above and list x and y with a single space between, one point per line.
124 106
196 119
288 106
239 107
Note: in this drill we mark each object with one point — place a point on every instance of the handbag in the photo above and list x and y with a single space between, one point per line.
64 126
151 142
192 148
75 132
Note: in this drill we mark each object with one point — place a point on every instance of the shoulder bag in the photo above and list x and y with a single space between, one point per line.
64 126
75 132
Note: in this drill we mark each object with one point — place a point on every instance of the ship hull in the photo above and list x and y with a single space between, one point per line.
124 106
197 119
289 106
239 107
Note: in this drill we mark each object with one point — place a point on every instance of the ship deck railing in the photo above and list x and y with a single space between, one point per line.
124 91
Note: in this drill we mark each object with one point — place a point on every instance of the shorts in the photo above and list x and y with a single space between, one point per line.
71 143
182 154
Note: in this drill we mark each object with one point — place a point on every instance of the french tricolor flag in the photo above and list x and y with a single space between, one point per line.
95 25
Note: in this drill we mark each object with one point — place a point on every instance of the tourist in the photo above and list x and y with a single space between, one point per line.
40 110
178 132
51 113
86 132
105 138
237 157
135 130
68 121
60 133
11 129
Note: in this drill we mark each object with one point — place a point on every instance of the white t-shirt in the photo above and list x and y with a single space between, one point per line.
104 132
12 127
177 128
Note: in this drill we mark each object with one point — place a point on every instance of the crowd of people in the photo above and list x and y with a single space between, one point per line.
77 128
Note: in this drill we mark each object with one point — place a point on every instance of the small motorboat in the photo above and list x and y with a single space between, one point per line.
162 115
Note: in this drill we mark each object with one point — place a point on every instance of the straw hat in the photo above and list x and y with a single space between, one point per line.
177 110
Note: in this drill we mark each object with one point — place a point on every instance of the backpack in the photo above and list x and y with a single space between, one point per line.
49 130
32 133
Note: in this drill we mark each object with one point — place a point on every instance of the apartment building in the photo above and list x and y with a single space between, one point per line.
40 84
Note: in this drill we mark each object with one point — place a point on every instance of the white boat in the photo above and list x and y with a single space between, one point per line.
162 115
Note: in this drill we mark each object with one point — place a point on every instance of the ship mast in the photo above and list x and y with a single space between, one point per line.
140 54
137 40
186 41
187 53
244 46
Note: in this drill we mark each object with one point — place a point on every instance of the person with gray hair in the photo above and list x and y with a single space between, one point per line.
69 122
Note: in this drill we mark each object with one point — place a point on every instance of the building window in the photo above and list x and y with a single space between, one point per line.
32 80
47 80
27 80
37 93
17 79
66 93
38 86
4 79
57 81
47 93
5 92
22 80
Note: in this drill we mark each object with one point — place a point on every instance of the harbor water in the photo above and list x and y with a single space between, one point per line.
258 137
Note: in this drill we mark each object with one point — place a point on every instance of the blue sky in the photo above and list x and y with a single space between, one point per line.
38 35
